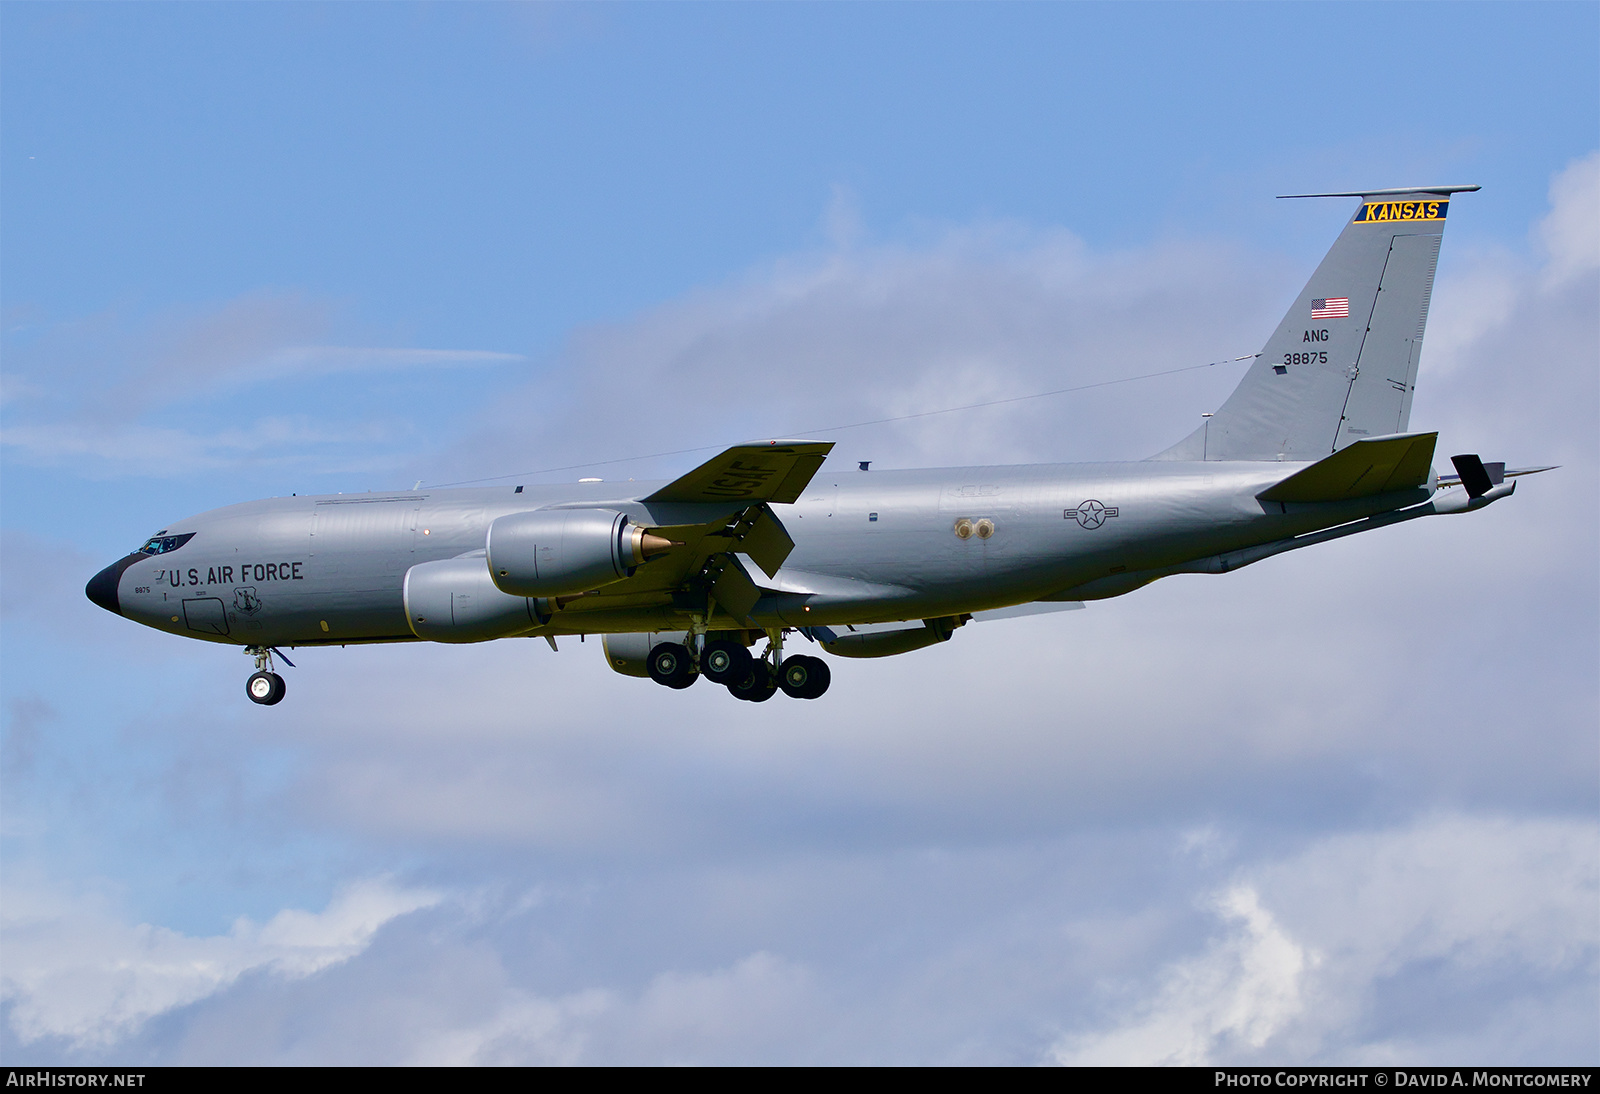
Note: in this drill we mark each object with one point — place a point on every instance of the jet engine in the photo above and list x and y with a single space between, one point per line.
559 552
453 600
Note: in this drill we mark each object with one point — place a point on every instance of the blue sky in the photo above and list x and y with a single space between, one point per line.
257 249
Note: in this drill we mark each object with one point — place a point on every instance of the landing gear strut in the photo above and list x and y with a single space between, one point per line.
264 686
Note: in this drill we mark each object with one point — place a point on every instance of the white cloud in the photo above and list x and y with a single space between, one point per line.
143 362
169 452
728 1014
75 971
111 395
1316 937
1242 991
1571 233
326 359
1398 945
869 332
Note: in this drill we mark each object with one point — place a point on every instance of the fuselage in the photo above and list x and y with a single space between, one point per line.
869 547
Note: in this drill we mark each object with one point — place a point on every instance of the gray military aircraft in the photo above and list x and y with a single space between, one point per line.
682 578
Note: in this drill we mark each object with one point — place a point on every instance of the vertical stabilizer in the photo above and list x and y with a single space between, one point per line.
1342 364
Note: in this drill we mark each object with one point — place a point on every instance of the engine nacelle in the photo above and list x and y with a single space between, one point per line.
559 552
625 653
453 600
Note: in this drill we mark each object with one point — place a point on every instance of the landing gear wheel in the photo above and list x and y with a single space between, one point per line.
723 661
265 688
758 686
805 677
669 664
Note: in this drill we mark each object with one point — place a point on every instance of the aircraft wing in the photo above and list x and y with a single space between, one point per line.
756 472
703 566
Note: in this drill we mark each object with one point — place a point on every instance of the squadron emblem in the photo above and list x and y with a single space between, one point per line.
1091 514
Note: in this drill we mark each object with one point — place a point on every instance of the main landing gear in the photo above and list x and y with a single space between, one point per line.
729 663
265 686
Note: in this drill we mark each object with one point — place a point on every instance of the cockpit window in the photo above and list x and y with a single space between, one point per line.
160 545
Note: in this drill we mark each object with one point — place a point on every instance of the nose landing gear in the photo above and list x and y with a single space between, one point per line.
265 686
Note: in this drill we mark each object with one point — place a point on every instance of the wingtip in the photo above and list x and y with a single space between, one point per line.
788 442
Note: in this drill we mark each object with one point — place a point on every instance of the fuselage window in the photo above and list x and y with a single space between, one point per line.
160 545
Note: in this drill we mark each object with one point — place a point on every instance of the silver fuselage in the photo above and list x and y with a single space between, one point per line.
869 547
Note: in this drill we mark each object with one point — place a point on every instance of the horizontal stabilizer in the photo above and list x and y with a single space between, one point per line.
1512 473
762 471
1399 191
1375 465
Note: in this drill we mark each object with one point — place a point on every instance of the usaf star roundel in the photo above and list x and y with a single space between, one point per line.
1091 514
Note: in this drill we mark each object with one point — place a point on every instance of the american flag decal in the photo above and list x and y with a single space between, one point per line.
1333 307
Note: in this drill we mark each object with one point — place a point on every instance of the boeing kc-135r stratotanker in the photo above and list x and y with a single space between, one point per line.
682 578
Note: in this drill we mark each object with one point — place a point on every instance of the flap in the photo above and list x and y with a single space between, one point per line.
766 541
761 471
734 590
1374 465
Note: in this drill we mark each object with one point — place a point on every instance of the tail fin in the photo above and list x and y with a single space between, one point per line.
1343 363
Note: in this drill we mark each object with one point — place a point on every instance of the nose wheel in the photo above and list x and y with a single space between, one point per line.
265 687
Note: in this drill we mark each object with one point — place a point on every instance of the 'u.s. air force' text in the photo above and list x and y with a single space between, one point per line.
223 575
1382 212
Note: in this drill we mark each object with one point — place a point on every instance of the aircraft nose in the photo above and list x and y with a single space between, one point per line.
102 587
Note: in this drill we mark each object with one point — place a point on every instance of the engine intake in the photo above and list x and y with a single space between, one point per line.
453 600
558 552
